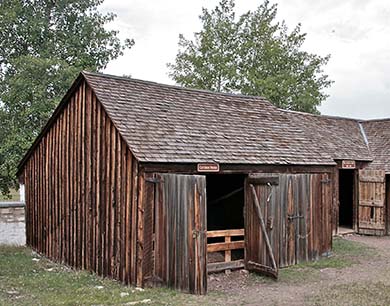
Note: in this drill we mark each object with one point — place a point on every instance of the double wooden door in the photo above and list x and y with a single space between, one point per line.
287 220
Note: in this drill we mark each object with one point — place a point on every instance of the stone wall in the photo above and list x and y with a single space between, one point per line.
12 225
11 214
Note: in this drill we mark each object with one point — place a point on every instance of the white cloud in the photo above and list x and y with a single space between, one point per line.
354 32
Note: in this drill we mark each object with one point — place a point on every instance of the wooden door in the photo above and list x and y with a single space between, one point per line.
293 224
261 216
180 232
371 212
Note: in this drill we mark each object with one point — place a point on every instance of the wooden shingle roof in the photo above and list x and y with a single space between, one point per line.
163 123
171 124
342 138
378 136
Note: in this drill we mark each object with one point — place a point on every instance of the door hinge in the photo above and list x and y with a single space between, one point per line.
270 223
195 234
292 217
153 180
326 181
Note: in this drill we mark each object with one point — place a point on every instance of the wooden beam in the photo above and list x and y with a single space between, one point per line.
254 266
191 168
225 233
262 180
222 266
260 215
226 196
225 246
228 253
373 203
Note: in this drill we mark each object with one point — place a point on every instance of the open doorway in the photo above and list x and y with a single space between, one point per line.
346 199
225 221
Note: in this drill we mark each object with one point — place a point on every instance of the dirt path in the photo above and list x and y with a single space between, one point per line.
362 282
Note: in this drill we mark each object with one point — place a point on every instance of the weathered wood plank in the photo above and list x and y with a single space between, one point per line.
94 149
262 269
108 203
181 232
129 193
83 190
222 266
263 228
134 218
118 212
224 246
88 179
225 233
98 189
113 206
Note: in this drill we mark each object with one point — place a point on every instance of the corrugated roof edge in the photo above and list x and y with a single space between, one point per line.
321 116
375 120
334 117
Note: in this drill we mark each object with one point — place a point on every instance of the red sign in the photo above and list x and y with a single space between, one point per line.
208 167
348 164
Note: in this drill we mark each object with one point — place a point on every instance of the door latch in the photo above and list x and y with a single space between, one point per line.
195 234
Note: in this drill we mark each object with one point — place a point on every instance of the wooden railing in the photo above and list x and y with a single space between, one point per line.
227 246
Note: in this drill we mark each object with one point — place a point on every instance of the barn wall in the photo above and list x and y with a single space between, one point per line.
387 205
81 192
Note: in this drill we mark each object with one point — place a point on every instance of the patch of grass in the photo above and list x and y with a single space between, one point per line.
345 254
28 279
343 247
259 279
354 293
12 197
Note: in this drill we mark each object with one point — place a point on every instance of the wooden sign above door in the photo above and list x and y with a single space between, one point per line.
208 167
348 164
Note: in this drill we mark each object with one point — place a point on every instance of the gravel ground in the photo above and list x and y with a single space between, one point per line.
12 233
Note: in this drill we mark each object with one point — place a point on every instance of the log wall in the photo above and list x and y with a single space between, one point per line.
81 192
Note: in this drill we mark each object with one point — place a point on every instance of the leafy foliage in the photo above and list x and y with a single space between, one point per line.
254 55
44 44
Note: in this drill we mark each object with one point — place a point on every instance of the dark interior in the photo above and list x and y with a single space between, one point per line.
225 209
346 190
225 201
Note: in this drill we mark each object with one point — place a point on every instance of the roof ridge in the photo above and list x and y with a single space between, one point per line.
206 91
320 115
375 120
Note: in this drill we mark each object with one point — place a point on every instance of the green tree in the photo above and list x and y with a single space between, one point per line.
253 54
44 44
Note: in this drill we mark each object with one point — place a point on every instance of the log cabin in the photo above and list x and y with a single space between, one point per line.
154 184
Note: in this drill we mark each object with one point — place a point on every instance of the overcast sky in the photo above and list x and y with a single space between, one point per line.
355 32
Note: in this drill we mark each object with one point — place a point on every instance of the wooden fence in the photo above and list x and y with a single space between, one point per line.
227 246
